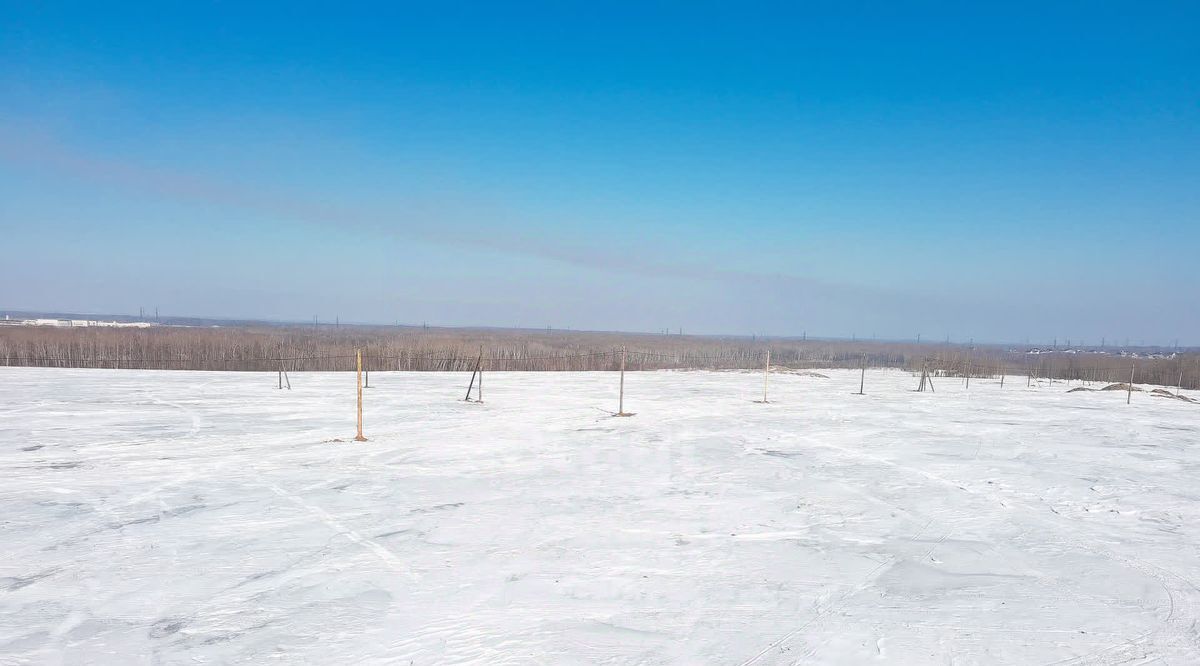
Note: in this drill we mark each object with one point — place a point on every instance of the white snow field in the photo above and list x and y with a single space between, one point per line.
204 517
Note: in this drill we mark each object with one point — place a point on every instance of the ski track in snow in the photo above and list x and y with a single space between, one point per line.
181 517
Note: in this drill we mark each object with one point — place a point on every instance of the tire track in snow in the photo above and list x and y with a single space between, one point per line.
1178 630
386 556
825 611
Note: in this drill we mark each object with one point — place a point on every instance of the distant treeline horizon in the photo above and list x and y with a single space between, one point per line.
297 348
151 316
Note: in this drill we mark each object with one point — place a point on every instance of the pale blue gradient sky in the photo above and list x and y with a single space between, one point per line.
992 173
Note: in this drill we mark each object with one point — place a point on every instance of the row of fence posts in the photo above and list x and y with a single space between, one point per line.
476 384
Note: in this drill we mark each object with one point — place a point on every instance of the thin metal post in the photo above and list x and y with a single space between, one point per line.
358 360
1129 389
862 379
478 371
766 373
621 398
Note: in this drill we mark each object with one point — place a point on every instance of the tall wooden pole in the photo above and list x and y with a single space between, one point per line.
358 360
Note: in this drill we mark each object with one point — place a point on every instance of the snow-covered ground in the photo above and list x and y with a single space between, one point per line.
182 517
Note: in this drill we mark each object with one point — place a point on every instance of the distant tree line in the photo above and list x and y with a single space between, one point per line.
300 348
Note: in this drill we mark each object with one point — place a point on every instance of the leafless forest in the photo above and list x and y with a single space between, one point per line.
300 348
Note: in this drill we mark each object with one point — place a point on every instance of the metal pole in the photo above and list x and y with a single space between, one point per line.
1129 390
358 359
862 379
766 373
477 371
621 399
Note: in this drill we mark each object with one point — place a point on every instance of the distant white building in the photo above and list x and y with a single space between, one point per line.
78 323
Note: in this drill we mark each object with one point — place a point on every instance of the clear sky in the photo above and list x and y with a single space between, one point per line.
1000 172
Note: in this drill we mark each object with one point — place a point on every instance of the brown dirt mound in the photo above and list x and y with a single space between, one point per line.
1081 388
1119 387
1163 393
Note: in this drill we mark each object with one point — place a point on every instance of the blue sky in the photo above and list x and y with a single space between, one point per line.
997 173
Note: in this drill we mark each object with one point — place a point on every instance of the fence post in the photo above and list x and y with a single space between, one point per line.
358 361
1129 389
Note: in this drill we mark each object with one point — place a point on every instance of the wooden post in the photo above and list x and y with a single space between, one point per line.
1129 390
862 379
969 360
621 398
358 359
1002 374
